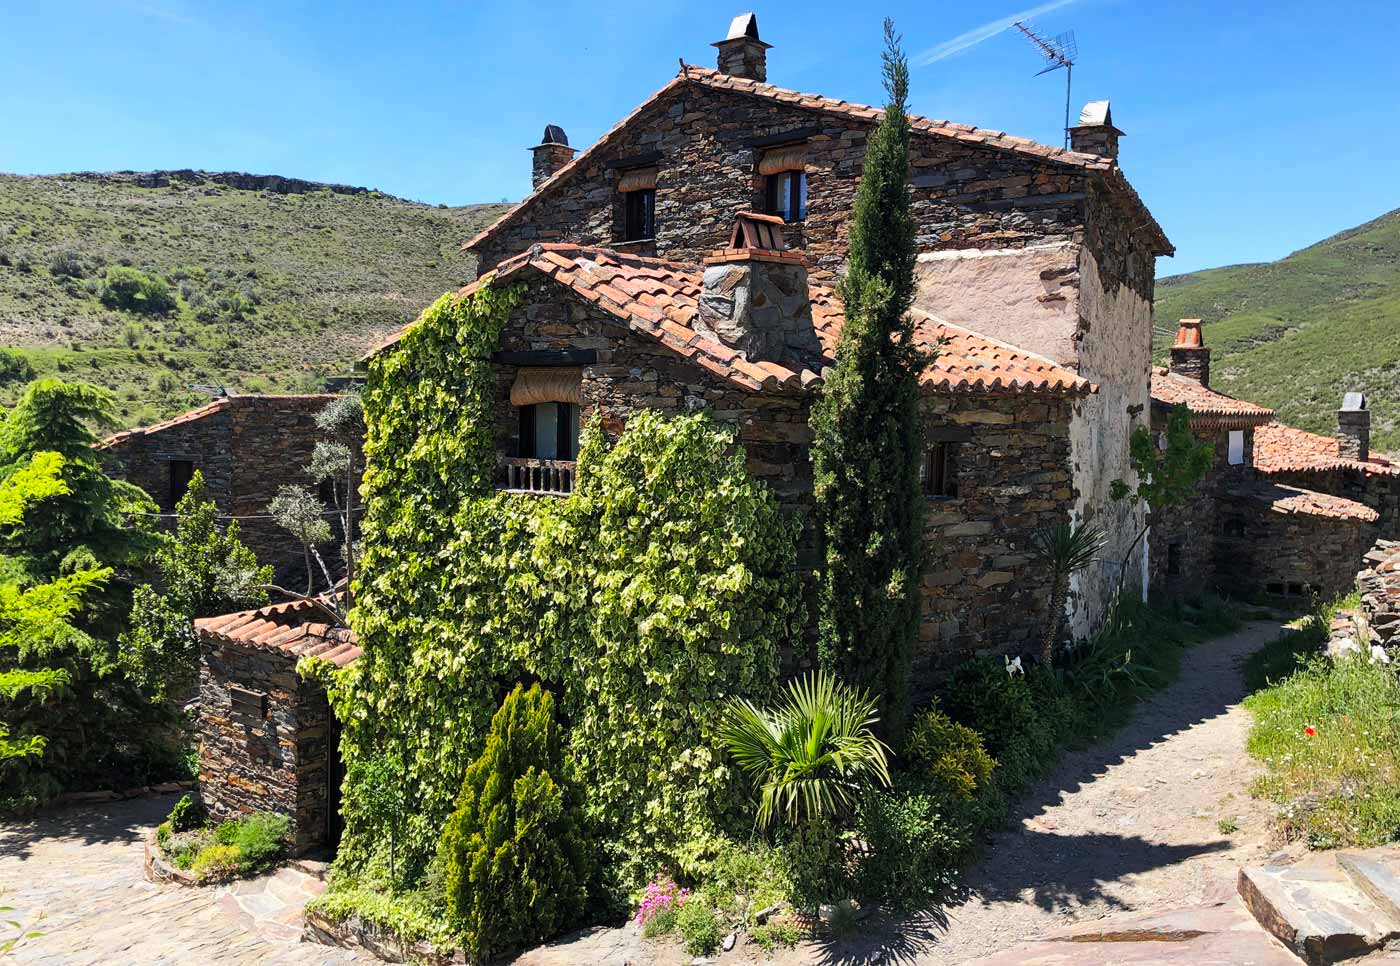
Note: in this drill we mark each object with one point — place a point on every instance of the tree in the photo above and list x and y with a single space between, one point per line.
812 755
131 290
296 510
1167 474
868 435
516 866
1067 548
203 570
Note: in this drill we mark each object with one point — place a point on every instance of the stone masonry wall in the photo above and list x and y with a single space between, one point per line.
1293 554
965 195
982 593
273 761
1380 493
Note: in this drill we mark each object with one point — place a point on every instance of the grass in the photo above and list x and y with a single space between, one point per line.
273 291
1335 304
1328 734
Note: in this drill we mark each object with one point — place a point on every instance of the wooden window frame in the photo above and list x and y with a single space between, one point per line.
639 215
940 471
796 191
568 443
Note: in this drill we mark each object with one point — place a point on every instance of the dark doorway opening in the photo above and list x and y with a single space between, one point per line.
335 777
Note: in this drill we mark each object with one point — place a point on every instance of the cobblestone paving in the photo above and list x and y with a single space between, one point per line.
76 876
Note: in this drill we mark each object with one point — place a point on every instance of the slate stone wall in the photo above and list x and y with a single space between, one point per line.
1289 554
981 593
273 759
1380 493
965 195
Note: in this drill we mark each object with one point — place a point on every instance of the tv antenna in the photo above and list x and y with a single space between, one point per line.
1059 51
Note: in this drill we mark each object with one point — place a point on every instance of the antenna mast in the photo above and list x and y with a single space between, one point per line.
1058 52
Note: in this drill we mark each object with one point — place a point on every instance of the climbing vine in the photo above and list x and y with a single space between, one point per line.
662 586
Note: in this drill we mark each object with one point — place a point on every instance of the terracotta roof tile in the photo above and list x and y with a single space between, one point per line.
712 78
288 628
1279 448
1206 405
1292 499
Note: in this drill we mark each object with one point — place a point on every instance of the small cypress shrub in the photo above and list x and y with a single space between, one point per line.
517 869
950 756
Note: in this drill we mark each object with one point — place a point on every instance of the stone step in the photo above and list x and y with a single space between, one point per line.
1377 874
1316 910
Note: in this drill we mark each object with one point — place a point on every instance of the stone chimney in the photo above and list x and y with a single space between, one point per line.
755 297
742 54
551 154
1095 133
1190 354
1354 428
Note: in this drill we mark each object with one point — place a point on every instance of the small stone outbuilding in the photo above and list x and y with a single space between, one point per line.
267 738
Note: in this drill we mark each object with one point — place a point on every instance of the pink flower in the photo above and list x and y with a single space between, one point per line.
661 894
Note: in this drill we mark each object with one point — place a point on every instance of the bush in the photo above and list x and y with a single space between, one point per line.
188 814
700 927
912 843
130 290
260 837
218 861
816 863
14 367
516 865
771 935
661 902
947 755
67 264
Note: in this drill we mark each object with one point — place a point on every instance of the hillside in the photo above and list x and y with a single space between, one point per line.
261 283
1296 333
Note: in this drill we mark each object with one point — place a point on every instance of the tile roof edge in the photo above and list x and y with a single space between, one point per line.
1081 384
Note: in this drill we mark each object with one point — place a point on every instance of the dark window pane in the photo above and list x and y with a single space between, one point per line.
527 431
640 215
181 472
940 470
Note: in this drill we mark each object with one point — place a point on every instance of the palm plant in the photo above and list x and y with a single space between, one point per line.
811 755
1067 548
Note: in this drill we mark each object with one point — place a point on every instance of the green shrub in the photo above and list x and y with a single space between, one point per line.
947 755
740 880
188 814
217 861
14 367
771 935
516 863
261 837
663 923
131 290
413 916
1020 717
816 863
67 264
163 832
700 927
912 844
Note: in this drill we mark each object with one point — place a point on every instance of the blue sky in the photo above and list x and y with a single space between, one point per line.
1254 127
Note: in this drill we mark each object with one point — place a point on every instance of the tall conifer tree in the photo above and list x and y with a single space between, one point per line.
868 432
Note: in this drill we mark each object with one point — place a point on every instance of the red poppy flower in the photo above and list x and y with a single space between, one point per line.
1310 731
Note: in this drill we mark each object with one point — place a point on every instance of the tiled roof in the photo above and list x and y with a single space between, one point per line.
1291 499
289 628
1279 448
209 409
661 299
1207 405
709 77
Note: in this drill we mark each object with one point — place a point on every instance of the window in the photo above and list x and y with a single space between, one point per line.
549 431
1236 447
1173 559
181 472
787 195
940 471
640 216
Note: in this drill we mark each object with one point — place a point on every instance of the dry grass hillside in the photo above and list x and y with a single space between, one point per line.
251 283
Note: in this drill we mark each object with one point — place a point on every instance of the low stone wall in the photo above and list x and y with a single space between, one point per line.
1266 548
1377 620
355 933
263 740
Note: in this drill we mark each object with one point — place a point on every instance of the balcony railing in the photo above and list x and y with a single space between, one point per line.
551 477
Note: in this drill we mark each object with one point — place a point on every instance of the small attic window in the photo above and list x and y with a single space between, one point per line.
785 182
638 189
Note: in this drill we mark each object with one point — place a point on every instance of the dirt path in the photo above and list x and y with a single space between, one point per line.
1133 824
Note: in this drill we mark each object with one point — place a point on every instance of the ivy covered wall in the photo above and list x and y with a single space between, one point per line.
664 585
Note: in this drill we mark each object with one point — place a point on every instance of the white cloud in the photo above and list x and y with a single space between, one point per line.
976 35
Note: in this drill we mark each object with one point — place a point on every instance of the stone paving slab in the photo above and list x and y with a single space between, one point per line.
76 876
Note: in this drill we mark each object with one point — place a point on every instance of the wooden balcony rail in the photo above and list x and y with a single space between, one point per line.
553 477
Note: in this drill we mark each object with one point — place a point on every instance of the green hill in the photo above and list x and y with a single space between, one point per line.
262 283
1296 333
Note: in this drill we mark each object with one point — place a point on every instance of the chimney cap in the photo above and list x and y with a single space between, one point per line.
1354 402
554 134
1098 114
1189 335
743 27
756 231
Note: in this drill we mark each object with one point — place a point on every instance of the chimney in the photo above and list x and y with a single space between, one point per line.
1354 428
551 154
1095 133
755 297
1190 354
742 54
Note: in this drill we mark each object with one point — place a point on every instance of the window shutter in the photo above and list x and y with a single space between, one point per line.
792 157
637 179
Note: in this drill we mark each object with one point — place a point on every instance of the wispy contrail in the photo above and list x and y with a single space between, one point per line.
985 32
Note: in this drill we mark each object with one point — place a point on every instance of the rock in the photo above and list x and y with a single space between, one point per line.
728 943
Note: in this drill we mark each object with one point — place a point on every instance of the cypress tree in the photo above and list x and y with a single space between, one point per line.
868 434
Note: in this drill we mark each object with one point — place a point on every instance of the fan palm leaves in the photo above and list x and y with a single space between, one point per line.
1067 548
811 754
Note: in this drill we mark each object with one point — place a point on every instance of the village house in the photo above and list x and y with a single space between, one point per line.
1247 528
686 261
246 447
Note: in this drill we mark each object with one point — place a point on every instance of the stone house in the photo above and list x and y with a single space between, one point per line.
1245 530
1042 248
246 447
